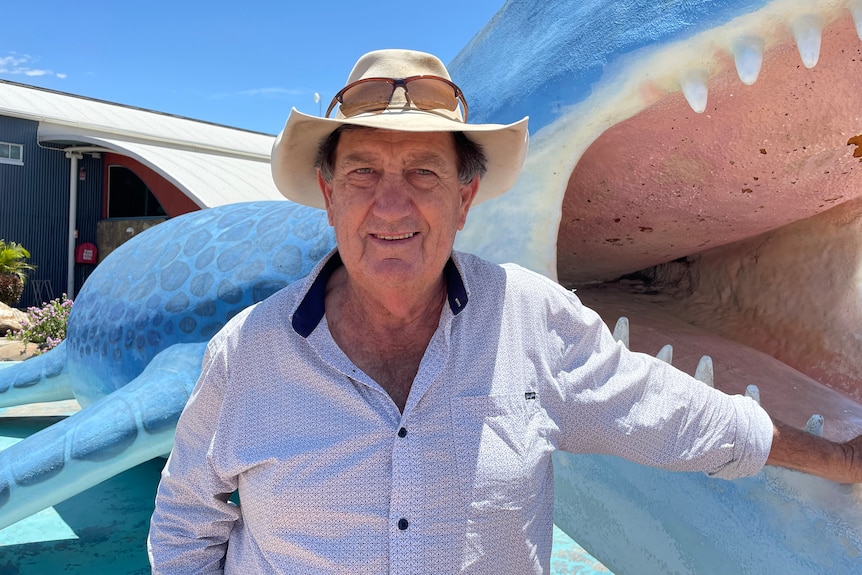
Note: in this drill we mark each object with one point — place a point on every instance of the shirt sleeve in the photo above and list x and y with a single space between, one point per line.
193 518
636 406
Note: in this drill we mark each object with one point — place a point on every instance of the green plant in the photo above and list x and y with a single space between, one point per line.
45 326
13 271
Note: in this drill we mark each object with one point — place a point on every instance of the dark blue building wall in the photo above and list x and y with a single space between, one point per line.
90 202
34 206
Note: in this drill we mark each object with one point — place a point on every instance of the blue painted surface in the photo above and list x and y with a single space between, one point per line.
181 281
99 531
569 558
552 53
643 520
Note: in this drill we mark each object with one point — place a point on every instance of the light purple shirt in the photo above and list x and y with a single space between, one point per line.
332 478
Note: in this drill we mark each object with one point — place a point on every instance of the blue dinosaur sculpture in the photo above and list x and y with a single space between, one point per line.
596 76
136 338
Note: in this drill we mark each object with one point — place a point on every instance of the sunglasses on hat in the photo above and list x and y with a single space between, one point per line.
374 95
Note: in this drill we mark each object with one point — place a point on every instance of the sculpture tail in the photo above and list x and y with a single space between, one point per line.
128 427
41 378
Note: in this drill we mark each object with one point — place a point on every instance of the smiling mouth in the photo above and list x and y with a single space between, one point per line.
398 237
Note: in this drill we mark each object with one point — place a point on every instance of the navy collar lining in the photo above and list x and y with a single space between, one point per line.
311 309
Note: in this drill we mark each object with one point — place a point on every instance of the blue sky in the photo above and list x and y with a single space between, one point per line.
243 64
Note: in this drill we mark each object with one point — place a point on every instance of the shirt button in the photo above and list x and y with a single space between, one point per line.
403 524
402 433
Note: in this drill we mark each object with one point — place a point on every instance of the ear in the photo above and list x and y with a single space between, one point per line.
326 190
468 193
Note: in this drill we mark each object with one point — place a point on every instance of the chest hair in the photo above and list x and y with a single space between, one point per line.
393 368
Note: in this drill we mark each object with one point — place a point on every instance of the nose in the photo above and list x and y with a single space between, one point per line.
392 200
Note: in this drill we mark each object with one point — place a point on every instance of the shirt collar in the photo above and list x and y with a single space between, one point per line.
311 309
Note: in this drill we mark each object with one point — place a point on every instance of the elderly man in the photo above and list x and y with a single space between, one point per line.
396 411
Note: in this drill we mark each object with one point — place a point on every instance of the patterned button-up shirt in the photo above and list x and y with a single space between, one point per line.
333 478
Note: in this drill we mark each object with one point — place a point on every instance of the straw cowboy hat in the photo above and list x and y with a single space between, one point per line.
295 149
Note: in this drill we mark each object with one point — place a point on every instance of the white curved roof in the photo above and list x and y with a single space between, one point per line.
212 164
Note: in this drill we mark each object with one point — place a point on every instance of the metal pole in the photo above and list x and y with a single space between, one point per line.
73 219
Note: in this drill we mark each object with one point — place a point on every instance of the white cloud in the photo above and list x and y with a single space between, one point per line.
12 60
22 64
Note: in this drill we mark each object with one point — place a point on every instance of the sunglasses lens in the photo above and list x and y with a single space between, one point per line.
432 94
371 96
375 95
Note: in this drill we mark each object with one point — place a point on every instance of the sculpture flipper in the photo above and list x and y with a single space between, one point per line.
41 378
130 426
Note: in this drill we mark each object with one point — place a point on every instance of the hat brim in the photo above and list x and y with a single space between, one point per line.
295 149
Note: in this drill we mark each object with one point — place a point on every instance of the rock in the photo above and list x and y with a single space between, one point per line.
16 350
10 318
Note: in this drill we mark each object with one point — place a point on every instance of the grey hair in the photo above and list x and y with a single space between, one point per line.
472 162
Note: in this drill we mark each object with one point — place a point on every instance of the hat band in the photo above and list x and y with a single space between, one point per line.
374 95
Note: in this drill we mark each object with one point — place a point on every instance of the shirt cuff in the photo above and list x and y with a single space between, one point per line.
754 432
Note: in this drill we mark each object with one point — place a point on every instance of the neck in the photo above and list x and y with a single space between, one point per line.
384 309
384 332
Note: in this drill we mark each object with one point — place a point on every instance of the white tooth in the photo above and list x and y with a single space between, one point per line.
704 371
815 425
856 11
694 87
807 30
748 55
753 392
621 331
666 354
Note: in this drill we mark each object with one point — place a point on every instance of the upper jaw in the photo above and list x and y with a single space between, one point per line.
716 177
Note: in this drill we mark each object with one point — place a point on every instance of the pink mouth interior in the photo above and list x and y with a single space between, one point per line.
755 200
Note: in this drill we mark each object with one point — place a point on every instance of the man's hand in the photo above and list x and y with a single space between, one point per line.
796 449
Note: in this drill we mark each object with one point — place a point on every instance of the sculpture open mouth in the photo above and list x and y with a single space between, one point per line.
713 168
748 208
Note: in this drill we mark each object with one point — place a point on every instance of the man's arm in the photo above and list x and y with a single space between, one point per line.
193 519
796 449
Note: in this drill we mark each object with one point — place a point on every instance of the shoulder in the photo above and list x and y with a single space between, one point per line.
473 267
513 291
481 276
257 323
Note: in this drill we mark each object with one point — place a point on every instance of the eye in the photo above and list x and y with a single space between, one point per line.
361 177
423 178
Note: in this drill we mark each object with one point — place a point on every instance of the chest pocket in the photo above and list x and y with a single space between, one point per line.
498 448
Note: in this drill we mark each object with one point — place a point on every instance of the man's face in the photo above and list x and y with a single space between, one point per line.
395 204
